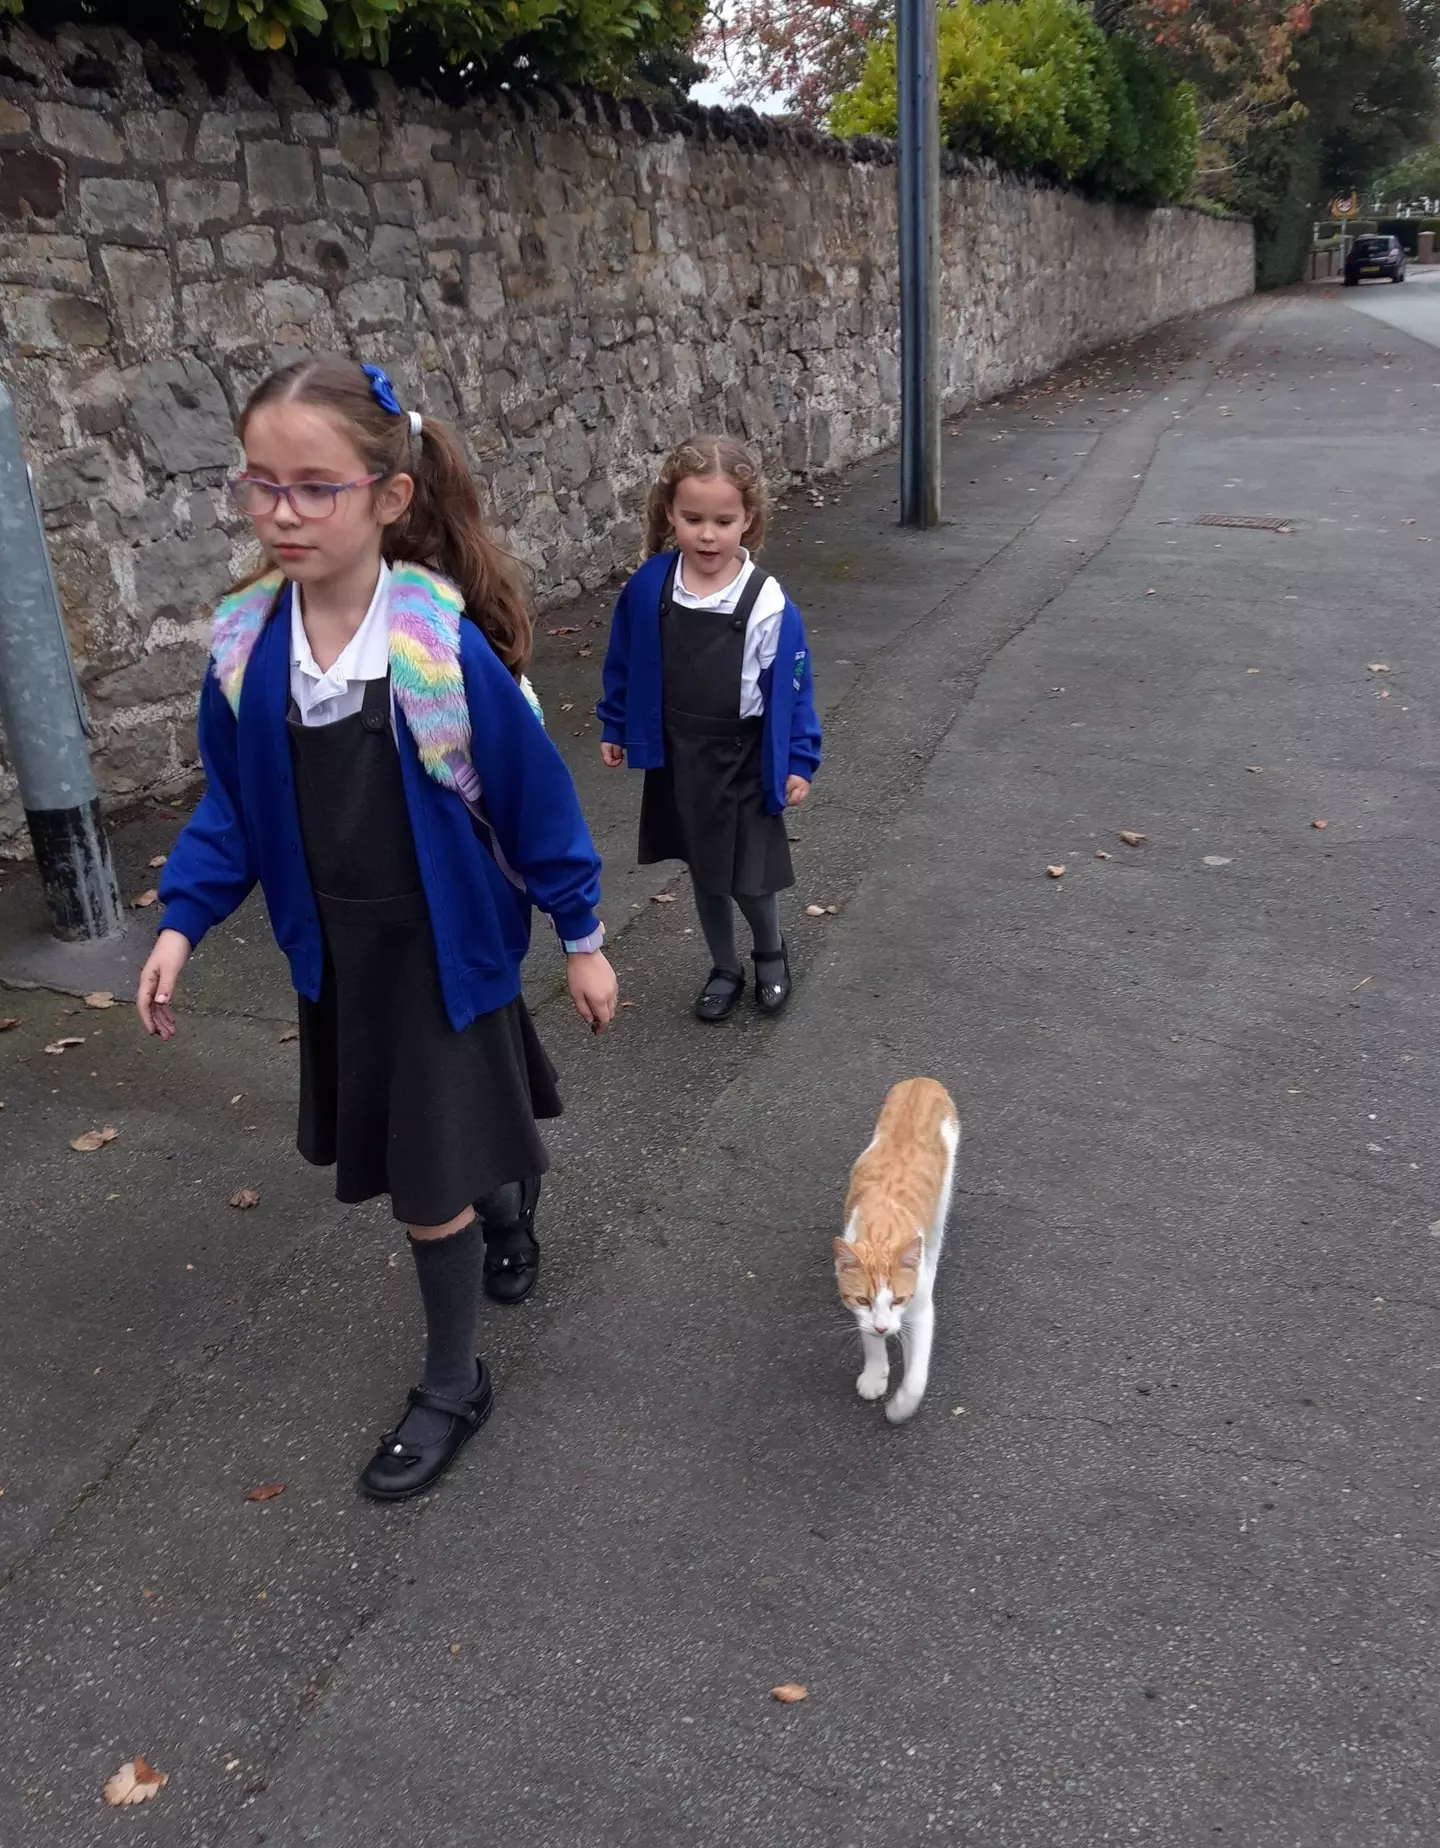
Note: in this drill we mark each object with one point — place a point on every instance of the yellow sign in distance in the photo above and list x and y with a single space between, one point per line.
1344 207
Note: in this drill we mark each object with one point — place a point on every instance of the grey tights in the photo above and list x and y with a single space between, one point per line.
717 920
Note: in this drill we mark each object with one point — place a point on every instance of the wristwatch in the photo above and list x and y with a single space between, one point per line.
579 946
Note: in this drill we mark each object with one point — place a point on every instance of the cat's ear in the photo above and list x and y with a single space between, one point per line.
846 1262
911 1258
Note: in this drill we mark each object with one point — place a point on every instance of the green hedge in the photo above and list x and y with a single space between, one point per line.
610 43
1037 86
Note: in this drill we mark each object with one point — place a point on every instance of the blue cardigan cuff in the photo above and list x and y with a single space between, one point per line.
192 920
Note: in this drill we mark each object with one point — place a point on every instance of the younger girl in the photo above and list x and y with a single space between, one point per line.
374 763
708 688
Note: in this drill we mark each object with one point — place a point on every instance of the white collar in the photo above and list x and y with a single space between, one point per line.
366 656
721 599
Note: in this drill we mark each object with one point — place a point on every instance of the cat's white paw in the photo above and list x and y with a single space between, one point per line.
904 1405
872 1385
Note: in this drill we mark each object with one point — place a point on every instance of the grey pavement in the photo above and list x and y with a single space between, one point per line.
1156 1561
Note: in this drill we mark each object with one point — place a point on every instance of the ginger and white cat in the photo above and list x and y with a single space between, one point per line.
895 1215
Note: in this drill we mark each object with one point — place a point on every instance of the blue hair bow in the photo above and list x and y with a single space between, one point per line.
381 390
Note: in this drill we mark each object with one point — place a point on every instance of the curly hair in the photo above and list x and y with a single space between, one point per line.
705 455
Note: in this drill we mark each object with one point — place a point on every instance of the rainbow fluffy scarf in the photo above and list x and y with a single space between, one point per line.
425 676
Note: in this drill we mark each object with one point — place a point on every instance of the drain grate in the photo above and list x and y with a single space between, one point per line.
1249 522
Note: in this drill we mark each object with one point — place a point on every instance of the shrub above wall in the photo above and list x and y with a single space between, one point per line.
1038 87
616 44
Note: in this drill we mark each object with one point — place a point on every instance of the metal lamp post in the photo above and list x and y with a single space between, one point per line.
919 182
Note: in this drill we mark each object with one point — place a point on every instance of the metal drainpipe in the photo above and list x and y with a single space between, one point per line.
43 717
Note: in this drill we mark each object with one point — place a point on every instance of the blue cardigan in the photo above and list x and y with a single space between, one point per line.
247 827
631 710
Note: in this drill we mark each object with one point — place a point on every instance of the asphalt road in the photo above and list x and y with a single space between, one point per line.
1156 1561
1413 306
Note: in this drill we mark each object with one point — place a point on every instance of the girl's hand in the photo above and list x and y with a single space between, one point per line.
796 790
157 983
593 987
612 755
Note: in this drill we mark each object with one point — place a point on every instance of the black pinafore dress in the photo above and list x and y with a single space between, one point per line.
390 1094
706 806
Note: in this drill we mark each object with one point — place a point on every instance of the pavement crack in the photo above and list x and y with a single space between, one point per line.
1127 1425
1358 1289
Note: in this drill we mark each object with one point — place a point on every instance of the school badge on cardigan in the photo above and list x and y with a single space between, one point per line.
425 616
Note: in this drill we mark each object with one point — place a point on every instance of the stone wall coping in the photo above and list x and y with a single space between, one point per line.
84 65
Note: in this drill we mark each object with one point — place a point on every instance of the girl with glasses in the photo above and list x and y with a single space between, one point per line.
373 762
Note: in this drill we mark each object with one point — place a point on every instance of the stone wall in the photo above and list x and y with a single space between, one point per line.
574 282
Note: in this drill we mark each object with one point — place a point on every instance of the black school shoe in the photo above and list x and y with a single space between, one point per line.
720 996
772 988
512 1256
399 1469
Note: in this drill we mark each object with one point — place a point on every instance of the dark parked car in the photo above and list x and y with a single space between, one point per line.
1375 256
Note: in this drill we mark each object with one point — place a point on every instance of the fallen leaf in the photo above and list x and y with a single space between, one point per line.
266 1492
144 900
1255 769
1055 872
9 1022
290 1033
1149 593
569 628
627 1004
101 998
814 911
585 652
134 1782
1378 667
1252 670
246 1197
1216 859
454 1649
1100 854
789 1692
93 1139
662 898
60 1044
569 706
158 861
1319 824
1131 838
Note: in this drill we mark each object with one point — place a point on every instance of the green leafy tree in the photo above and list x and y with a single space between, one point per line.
1036 85
1364 88
1416 177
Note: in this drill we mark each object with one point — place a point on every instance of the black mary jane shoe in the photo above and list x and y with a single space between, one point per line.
399 1469
720 996
772 987
512 1255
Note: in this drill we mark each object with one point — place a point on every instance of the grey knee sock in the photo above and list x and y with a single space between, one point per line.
448 1270
763 917
717 920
